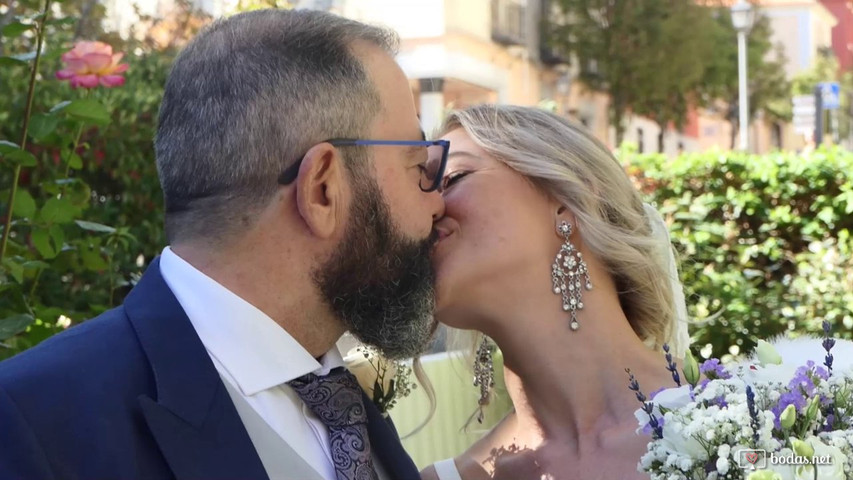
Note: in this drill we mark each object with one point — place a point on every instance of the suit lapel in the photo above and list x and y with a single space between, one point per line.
386 445
192 417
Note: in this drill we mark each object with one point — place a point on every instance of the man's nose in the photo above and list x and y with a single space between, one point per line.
436 204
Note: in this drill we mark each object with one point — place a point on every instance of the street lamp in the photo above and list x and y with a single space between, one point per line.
742 17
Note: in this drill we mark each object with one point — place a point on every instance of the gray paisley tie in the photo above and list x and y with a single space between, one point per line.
336 400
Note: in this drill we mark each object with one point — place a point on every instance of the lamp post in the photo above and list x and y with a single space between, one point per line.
742 17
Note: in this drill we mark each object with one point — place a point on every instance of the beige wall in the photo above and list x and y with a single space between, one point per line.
469 17
801 28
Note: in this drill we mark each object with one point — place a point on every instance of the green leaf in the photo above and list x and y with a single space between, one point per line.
88 110
94 227
92 259
34 265
41 240
22 158
57 236
15 29
75 162
57 210
60 106
14 325
11 62
62 21
15 269
7 147
25 206
42 125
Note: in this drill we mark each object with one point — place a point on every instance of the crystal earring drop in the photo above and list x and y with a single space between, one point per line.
570 275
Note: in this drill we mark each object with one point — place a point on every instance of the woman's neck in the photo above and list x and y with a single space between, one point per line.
571 385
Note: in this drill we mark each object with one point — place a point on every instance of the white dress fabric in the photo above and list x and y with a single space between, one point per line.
446 470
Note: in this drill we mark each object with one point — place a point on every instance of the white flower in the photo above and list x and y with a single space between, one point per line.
366 371
723 465
671 398
63 321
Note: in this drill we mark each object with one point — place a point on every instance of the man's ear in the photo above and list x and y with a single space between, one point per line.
320 189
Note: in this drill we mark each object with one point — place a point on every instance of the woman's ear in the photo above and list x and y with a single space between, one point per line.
562 214
320 188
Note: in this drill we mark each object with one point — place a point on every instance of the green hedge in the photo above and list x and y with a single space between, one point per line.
764 240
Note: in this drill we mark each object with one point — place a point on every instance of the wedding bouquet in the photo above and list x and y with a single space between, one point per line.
760 420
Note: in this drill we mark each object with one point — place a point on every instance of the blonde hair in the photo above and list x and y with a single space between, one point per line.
570 165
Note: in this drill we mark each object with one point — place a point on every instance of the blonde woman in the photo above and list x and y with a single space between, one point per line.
547 248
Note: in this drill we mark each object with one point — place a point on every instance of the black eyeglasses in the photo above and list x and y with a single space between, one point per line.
431 172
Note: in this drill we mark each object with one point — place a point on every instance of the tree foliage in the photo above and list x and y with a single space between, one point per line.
660 58
767 85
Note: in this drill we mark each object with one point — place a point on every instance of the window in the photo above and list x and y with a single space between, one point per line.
509 22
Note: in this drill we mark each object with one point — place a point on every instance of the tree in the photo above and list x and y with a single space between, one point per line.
646 54
768 88
677 67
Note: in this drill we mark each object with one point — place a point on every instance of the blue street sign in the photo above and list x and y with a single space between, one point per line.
831 94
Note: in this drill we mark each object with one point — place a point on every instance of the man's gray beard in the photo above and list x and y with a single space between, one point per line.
379 282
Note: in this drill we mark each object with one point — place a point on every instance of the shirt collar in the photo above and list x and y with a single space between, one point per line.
257 352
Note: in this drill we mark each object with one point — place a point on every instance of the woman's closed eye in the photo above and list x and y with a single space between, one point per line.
451 179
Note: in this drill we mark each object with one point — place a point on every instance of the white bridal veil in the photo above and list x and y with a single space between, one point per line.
679 338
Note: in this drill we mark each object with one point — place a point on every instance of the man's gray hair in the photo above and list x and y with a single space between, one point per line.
247 98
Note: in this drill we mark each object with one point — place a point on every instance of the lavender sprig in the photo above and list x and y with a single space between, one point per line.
753 413
828 343
648 407
670 365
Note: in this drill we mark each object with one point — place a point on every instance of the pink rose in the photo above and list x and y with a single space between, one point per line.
91 63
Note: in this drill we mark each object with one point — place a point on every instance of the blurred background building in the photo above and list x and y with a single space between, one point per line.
459 53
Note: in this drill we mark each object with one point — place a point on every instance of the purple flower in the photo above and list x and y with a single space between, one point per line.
753 412
795 398
807 377
719 401
670 365
712 370
648 407
712 367
828 343
649 429
830 423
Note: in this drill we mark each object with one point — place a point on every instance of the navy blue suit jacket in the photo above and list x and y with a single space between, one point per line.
132 394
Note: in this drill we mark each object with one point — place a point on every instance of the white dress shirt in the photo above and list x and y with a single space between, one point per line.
257 357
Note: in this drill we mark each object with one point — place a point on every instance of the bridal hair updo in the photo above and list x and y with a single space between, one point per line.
570 165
